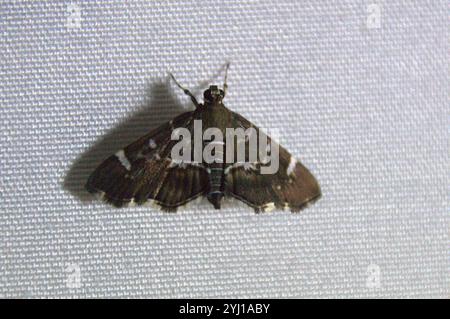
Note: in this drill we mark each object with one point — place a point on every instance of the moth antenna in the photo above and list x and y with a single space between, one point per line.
225 85
186 91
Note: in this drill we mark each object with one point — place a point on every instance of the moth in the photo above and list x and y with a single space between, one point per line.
147 170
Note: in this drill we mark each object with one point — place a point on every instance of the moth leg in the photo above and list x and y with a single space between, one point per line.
186 91
225 85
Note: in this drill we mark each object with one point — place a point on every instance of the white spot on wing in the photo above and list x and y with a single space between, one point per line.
152 144
269 207
132 203
291 166
246 165
184 164
100 195
175 163
227 170
123 159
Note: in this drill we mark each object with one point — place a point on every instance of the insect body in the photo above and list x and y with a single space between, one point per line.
150 169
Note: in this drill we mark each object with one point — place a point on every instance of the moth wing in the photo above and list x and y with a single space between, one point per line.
145 171
292 187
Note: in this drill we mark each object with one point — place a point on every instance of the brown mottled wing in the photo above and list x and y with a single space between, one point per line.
144 171
280 190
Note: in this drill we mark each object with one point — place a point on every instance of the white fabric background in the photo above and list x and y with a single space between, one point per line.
365 108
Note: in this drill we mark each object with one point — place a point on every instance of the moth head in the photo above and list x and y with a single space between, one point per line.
213 94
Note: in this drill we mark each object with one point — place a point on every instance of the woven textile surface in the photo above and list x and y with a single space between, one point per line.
357 90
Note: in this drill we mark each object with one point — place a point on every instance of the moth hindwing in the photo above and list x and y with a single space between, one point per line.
185 159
